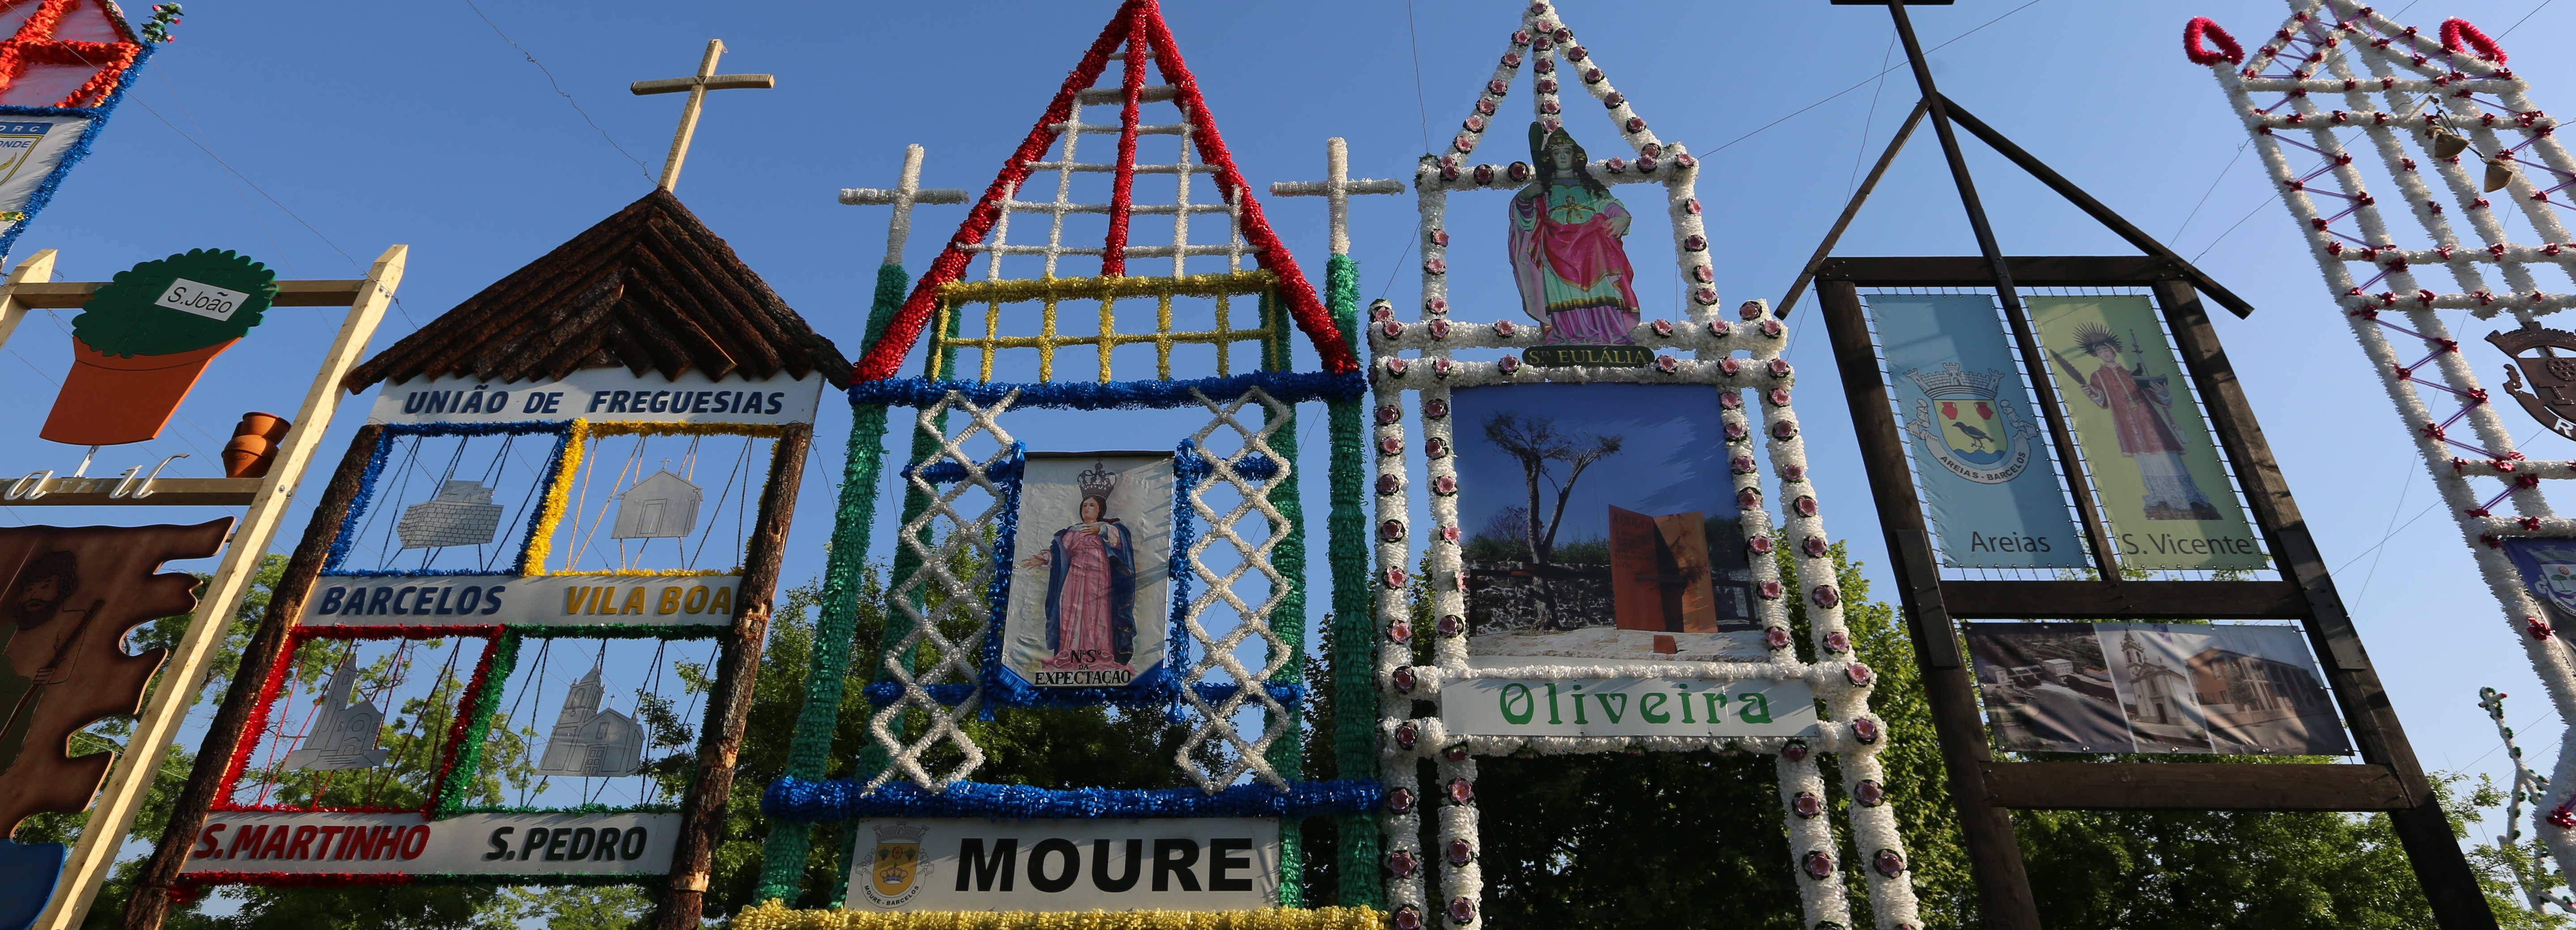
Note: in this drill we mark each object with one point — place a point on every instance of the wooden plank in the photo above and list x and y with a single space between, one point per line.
37 269
2450 885
1971 271
1994 850
189 659
65 295
2095 209
2127 600
2196 786
94 492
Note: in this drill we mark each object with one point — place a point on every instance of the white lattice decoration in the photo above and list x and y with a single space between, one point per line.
1065 166
963 599
2412 83
1217 652
1732 359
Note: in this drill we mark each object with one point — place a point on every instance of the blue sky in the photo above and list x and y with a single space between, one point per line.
312 135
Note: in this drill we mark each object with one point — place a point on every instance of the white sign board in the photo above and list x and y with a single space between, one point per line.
407 844
612 394
202 299
31 147
1627 707
546 600
1185 864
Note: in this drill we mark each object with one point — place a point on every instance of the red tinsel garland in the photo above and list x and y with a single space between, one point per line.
885 359
34 43
276 683
1113 259
2204 26
468 709
2454 31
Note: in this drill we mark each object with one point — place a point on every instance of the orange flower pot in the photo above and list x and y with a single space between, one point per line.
254 445
108 400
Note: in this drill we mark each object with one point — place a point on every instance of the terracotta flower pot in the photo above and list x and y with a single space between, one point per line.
254 445
108 400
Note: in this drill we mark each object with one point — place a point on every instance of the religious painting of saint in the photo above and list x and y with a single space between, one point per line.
67 600
2154 461
1567 256
1600 525
1090 570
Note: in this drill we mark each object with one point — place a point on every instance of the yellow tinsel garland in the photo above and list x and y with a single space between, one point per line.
773 915
1107 290
559 487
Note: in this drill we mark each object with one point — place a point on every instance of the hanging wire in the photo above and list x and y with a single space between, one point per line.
625 478
651 685
691 563
385 548
536 683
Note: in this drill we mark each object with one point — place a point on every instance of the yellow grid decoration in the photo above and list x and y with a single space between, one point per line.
954 296
775 916
577 444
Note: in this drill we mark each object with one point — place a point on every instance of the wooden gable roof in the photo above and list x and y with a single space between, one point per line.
649 288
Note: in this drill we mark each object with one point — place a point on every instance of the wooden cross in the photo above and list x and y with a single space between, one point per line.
907 191
1336 189
706 80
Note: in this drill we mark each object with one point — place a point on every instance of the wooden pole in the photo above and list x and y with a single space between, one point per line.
151 902
702 812
158 726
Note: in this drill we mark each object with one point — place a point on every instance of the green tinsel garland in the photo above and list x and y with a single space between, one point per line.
1288 621
1354 634
788 846
469 755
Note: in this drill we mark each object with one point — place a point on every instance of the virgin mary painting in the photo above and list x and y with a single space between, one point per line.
1091 585
1567 256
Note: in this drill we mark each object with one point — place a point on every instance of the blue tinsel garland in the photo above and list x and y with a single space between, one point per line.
376 460
97 116
800 800
1287 387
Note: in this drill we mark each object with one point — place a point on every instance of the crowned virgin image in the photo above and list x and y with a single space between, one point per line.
1091 585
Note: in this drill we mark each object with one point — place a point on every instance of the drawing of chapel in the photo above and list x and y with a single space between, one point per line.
591 742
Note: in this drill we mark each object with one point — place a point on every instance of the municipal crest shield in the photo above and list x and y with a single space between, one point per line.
1963 422
2557 585
2546 358
896 865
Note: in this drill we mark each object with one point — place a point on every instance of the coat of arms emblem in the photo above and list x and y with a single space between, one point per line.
1960 420
2551 397
897 864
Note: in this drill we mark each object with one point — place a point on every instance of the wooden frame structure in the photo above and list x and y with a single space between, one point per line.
2388 778
30 287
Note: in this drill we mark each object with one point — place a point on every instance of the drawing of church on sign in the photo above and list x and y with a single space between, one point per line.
462 514
591 742
344 734
662 505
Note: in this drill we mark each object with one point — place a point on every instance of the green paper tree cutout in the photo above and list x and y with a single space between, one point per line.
127 317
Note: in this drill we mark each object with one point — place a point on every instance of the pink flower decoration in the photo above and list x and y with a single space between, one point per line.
1784 430
1771 591
1437 306
1509 363
1761 545
1461 791
1706 296
1461 910
1391 530
1435 408
1439 329
1750 310
1814 546
1860 675
1397 578
1889 863
1390 445
1825 596
1387 414
1736 432
1865 730
1742 464
1748 498
1869 793
1779 397
1805 805
1396 365
1389 484
1505 328
1771 329
1449 626
1408 917
1667 364
1818 865
1449 534
1663 328
1399 631
1729 400
1779 367
1804 505
1435 447
1436 266
1837 641
1403 680
1444 485
1392 329
1402 864
1796 750
1729 364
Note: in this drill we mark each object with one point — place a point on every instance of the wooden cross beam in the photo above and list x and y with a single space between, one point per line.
1337 188
706 80
907 191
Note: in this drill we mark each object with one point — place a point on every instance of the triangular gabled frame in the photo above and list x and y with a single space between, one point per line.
1135 20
